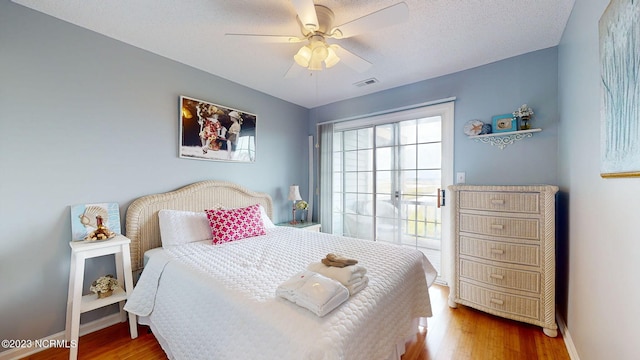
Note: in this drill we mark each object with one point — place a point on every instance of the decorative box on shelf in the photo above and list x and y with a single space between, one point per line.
503 139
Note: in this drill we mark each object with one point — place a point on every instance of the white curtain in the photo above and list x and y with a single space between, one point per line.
325 172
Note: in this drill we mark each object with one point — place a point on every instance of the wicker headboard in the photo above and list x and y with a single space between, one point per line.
142 225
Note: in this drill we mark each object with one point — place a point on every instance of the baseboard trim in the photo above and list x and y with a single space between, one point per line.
87 328
568 342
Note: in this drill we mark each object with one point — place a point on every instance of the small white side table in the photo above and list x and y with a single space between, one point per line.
309 226
78 304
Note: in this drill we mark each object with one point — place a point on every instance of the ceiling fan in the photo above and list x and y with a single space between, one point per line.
316 26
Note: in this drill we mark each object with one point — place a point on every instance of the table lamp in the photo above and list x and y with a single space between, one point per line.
294 195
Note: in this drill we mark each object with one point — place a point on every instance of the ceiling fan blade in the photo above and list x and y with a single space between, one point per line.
306 13
351 60
388 16
267 38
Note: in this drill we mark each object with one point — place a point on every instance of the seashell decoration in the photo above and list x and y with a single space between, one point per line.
88 218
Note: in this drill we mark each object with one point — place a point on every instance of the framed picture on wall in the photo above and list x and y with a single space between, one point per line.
209 131
620 90
84 219
504 123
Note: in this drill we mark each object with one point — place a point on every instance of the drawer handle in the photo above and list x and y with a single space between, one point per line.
497 251
497 201
497 226
497 301
496 276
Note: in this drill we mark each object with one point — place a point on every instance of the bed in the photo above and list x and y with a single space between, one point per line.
205 301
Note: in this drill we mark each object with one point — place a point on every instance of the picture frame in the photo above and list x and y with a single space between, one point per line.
209 131
504 123
620 90
83 219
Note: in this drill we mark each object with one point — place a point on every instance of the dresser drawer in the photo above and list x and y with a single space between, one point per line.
500 201
500 251
500 226
500 276
506 303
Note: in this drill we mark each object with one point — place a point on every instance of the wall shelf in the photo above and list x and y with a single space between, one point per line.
501 140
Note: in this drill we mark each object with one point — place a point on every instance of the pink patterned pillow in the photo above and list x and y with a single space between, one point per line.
235 224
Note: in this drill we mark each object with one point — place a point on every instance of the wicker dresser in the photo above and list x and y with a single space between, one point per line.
505 252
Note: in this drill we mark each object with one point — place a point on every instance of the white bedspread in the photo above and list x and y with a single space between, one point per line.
218 301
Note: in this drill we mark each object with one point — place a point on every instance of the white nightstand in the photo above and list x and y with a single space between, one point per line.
309 226
78 304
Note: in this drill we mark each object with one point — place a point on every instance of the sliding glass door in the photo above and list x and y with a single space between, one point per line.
386 178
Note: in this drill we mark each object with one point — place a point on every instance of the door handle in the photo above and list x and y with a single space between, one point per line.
441 198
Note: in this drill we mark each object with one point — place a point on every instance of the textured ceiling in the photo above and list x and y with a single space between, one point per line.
440 37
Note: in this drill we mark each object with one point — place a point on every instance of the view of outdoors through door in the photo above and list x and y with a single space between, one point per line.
385 184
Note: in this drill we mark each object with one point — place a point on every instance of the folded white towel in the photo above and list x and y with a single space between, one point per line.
315 292
359 285
346 275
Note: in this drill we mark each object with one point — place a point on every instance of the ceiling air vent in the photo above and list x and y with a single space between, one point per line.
366 82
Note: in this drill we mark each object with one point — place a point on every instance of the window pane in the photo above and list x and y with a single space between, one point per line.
350 225
337 202
408 132
430 156
384 135
384 158
365 182
350 140
351 182
408 157
365 204
384 184
429 129
351 161
428 182
337 141
365 138
350 203
337 161
337 224
408 179
337 182
365 160
365 227
386 229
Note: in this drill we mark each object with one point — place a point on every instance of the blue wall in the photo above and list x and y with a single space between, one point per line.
600 244
87 119
481 93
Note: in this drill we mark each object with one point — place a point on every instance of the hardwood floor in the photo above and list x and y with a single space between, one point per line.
465 333
454 334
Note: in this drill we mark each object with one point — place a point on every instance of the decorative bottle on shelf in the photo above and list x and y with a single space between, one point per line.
101 233
525 123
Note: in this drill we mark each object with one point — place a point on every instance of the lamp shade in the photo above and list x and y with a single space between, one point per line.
317 52
294 193
303 56
332 58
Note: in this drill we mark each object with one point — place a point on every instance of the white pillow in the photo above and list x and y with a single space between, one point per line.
265 218
182 227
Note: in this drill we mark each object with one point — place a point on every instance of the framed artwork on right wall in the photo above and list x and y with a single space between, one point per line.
619 31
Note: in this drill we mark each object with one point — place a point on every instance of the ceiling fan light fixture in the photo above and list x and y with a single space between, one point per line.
315 64
332 58
312 56
303 57
319 51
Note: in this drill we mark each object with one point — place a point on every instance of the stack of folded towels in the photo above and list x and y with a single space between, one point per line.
344 270
325 285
